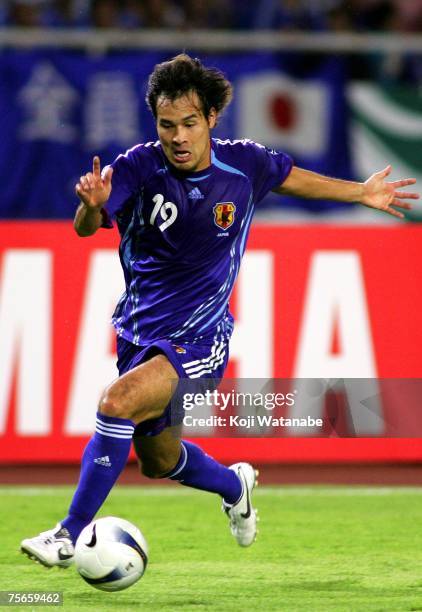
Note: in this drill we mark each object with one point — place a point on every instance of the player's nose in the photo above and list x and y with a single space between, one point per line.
179 136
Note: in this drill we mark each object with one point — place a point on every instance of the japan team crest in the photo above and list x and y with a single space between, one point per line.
179 349
224 214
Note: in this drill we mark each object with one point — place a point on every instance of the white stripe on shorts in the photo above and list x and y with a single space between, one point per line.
193 366
214 347
215 361
209 370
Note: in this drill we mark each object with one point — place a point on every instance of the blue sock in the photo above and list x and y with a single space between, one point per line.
103 460
198 470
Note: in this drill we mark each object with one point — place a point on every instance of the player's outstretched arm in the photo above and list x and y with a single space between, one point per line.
376 192
94 191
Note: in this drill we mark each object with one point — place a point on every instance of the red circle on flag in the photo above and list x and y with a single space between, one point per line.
283 111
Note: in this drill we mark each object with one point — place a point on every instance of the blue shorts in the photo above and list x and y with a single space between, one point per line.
192 362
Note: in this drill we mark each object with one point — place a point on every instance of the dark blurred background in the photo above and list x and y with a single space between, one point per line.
339 16
317 15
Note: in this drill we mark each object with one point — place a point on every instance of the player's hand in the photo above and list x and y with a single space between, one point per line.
380 194
93 189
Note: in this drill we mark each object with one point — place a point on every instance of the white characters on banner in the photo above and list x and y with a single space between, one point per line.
336 297
111 111
51 107
49 101
103 290
26 336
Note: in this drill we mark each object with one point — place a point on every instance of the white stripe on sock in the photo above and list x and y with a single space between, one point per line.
113 430
110 435
172 474
113 425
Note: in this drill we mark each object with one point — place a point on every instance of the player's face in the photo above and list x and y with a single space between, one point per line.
184 132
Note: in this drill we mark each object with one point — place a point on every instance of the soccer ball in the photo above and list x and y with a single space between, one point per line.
111 554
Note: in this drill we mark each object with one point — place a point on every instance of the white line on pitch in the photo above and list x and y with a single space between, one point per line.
282 490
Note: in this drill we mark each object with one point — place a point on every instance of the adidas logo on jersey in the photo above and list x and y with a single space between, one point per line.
195 194
105 461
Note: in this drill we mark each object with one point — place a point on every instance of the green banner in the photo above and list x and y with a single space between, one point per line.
386 128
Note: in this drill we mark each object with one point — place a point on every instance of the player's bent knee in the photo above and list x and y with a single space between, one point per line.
113 407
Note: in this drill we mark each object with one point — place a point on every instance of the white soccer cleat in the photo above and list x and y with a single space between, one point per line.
243 517
51 548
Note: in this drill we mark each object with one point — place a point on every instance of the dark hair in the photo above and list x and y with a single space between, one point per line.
183 75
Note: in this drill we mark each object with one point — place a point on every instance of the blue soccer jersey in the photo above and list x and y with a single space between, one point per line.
183 236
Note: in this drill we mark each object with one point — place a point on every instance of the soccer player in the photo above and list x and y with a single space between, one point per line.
183 206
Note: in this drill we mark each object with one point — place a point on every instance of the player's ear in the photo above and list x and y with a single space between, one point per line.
212 118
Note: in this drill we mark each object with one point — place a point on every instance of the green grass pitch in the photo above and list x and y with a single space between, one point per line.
319 548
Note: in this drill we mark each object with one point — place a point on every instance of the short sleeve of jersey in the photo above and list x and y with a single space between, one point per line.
269 168
129 173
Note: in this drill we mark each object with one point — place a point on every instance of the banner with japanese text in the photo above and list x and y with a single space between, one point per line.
338 304
59 108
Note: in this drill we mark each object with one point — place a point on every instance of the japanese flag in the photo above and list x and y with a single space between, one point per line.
281 112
